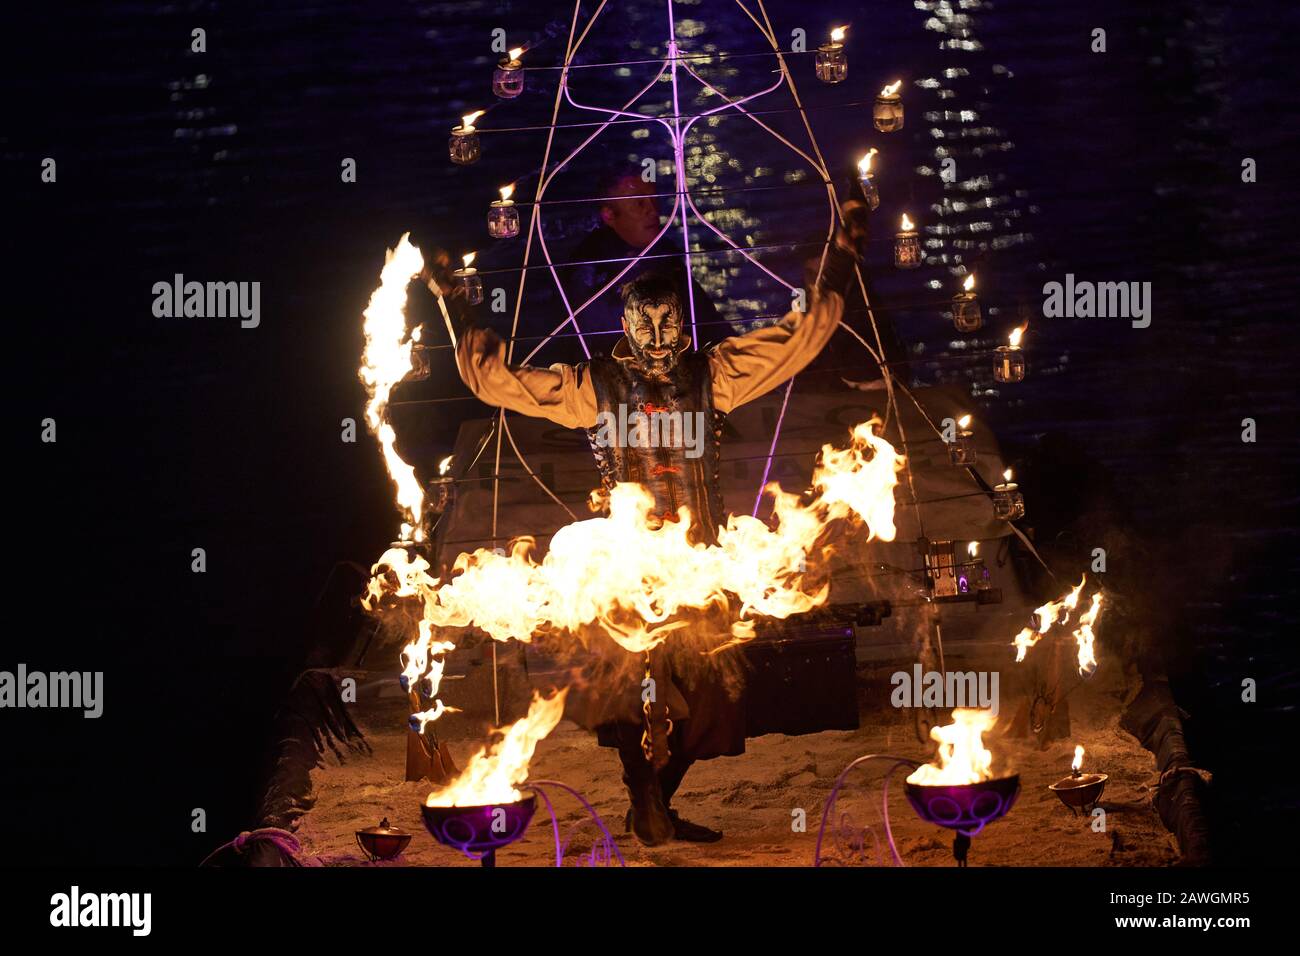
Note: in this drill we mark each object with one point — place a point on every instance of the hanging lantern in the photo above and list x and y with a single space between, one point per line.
866 180
832 64
1008 502
888 111
966 307
464 147
961 450
420 367
468 278
907 246
503 215
1009 360
976 571
508 77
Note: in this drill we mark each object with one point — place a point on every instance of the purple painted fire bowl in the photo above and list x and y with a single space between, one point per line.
479 831
966 808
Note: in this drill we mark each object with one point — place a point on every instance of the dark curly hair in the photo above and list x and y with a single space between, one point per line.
651 288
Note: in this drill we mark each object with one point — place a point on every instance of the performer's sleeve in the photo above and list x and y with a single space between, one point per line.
747 366
562 393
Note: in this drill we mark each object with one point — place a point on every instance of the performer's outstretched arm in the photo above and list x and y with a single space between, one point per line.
747 366
562 393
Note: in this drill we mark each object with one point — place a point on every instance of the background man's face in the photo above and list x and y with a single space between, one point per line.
654 332
633 214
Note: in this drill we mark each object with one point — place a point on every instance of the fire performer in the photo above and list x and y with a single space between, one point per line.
690 712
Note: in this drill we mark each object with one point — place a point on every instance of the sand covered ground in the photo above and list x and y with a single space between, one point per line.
754 798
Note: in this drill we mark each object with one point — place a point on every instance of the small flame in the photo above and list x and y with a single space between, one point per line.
1006 475
516 53
963 421
507 192
962 757
1014 338
467 122
892 88
1085 638
837 34
973 549
468 259
907 224
1045 617
864 164
969 284
1078 758
444 466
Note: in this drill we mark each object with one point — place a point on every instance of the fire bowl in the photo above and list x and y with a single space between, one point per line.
966 808
382 842
1082 791
478 831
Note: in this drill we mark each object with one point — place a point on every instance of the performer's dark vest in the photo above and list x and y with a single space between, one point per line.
671 476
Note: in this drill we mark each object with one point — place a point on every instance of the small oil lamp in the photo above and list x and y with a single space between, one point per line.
439 496
463 146
866 180
1008 502
1079 791
503 215
888 111
469 279
508 77
961 450
907 246
832 65
1009 361
382 842
966 314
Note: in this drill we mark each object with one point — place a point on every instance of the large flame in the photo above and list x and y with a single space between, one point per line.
1085 638
385 362
1059 611
962 756
493 774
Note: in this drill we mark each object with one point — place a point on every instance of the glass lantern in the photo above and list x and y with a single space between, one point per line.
888 110
831 63
1008 502
966 315
503 216
468 279
463 147
1008 364
907 246
508 77
961 450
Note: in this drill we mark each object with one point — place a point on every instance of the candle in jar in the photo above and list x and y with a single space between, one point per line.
888 110
907 245
464 146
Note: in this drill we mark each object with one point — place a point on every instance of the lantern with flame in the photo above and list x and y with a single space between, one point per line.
1079 791
469 280
868 182
1009 363
831 63
508 77
464 145
888 111
907 246
960 791
1008 502
975 572
966 316
503 215
961 450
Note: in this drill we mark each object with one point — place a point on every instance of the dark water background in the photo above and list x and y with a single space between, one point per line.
175 434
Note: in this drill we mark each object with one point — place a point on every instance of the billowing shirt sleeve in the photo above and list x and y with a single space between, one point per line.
561 393
747 366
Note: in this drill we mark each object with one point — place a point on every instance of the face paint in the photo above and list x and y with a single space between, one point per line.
654 333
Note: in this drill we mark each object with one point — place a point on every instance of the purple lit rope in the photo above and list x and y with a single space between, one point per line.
608 840
835 791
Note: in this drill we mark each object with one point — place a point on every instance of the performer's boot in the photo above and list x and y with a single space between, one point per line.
670 778
648 817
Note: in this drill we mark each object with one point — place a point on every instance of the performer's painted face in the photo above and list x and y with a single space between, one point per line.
654 332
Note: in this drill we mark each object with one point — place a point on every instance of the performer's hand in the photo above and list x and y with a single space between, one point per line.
851 236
